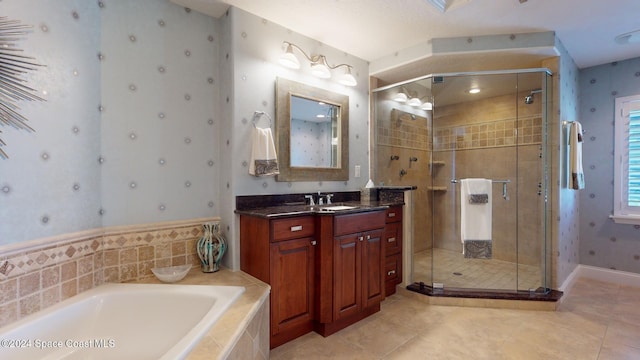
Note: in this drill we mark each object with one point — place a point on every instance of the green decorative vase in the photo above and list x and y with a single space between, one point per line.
211 247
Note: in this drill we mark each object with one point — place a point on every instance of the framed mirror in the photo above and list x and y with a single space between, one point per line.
312 132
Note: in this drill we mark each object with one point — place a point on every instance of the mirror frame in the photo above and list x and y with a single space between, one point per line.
284 89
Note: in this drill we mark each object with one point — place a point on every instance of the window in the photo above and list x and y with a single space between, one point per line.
627 161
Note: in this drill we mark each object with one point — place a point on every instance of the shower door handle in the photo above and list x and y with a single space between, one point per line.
505 195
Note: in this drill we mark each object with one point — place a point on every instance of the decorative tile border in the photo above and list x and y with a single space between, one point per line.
403 130
506 132
54 269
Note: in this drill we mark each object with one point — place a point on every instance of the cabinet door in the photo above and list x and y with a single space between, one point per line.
292 283
347 289
373 268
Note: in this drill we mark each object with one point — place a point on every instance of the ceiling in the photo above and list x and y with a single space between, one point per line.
374 29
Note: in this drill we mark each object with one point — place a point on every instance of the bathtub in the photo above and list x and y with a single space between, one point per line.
120 321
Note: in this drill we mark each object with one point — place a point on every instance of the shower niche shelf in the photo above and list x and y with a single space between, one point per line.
437 188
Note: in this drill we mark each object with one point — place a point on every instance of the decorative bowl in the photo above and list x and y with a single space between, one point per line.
171 274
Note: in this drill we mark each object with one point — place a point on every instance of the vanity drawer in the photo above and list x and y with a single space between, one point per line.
394 214
292 228
392 273
393 238
359 222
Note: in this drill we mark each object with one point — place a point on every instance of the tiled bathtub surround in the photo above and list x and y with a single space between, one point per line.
35 277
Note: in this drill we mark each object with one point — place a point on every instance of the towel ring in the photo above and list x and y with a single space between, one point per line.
257 115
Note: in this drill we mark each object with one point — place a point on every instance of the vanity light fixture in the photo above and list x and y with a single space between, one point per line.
427 106
289 59
401 96
414 101
319 65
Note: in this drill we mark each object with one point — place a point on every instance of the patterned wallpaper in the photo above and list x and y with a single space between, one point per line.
563 215
51 182
159 126
604 243
128 133
148 113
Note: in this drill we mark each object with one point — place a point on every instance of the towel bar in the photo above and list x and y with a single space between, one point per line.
455 181
568 123
504 183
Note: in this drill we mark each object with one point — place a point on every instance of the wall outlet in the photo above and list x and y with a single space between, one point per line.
357 171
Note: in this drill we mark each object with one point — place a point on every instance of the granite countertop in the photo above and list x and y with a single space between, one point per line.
272 212
220 339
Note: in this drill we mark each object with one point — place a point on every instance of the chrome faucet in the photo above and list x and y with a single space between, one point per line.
329 196
310 197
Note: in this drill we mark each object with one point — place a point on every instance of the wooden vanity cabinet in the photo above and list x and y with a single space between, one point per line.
351 269
281 253
326 271
393 249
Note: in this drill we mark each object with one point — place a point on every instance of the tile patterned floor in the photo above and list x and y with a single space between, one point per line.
474 273
596 320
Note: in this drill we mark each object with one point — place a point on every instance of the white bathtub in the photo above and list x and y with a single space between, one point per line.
120 321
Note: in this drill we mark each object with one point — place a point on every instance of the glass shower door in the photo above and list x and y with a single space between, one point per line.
476 138
497 134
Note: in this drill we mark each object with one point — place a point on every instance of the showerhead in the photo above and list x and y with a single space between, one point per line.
529 98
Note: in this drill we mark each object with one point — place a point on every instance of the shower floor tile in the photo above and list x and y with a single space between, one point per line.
453 270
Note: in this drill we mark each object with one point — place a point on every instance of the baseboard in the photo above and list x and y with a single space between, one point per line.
601 274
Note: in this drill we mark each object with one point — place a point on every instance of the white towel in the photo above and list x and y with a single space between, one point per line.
263 154
576 181
475 217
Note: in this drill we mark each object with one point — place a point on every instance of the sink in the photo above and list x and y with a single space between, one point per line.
337 208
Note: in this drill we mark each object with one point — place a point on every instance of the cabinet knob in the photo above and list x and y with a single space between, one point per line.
392 272
313 243
391 239
368 237
360 238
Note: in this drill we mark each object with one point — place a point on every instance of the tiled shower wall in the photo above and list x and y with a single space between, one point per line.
67 265
402 131
491 138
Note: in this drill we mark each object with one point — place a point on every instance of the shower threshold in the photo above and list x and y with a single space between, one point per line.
539 295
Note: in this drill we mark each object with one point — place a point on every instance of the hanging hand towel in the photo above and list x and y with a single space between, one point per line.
575 157
263 154
475 218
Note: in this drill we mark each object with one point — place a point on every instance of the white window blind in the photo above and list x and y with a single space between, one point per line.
633 161
627 160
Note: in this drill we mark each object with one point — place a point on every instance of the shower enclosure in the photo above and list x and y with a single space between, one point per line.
435 132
